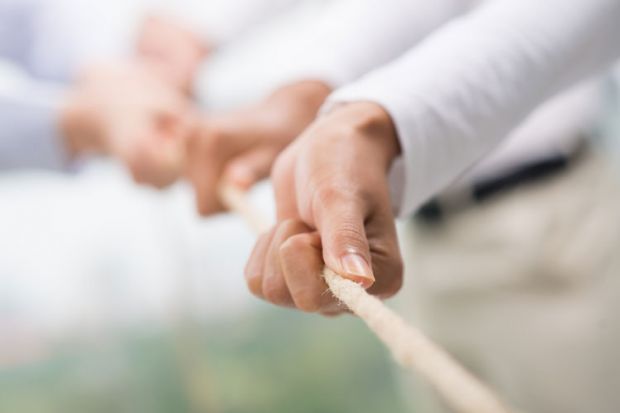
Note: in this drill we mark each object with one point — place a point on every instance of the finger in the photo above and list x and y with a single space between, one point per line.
275 288
149 162
163 158
302 263
386 260
177 124
205 165
340 219
152 165
253 271
173 134
336 312
249 168
283 179
194 165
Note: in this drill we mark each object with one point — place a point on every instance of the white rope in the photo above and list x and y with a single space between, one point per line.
409 346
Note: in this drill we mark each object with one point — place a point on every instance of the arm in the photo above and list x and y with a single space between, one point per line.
354 36
29 134
468 85
69 36
66 35
43 125
449 101
220 21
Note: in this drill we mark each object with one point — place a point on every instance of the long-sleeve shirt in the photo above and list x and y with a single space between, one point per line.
42 44
43 41
51 39
334 41
455 96
352 37
219 22
28 120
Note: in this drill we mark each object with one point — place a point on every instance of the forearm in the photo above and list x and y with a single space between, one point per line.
30 137
355 36
29 132
220 21
461 91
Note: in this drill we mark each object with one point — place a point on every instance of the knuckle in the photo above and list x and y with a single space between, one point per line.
159 183
211 139
294 244
203 206
275 292
288 224
365 195
254 285
217 138
351 231
192 143
203 209
292 226
280 169
329 194
332 192
138 173
306 301
351 237
132 159
253 282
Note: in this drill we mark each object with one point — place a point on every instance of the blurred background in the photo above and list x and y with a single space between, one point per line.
119 298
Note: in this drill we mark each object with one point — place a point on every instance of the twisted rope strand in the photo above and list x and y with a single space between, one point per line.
411 348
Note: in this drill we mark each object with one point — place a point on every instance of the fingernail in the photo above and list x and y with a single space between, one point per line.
357 269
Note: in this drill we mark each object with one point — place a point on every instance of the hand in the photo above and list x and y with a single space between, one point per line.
127 112
240 147
171 50
333 208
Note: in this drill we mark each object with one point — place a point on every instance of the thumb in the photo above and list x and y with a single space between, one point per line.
343 237
247 169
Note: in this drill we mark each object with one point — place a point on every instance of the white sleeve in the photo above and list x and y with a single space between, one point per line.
455 96
28 122
220 21
68 34
355 36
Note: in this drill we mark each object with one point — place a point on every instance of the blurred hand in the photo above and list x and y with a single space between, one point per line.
240 147
128 112
333 208
173 51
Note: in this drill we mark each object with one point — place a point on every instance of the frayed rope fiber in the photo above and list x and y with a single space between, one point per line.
409 346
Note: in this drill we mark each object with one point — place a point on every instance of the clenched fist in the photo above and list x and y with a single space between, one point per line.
333 209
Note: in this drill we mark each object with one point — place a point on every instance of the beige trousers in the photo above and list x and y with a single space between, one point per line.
524 289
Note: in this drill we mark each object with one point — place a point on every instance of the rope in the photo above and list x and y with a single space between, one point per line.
411 348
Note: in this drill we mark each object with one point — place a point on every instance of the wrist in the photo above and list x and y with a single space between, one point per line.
372 122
